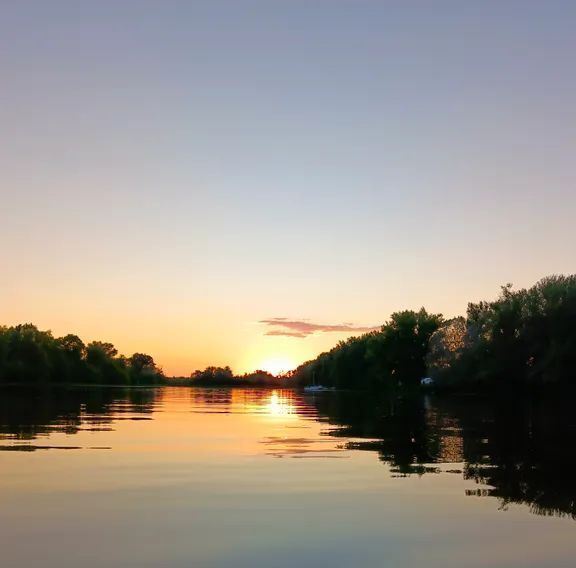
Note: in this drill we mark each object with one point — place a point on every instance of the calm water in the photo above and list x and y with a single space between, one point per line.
180 477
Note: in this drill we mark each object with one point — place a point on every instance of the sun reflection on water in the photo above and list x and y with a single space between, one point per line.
280 405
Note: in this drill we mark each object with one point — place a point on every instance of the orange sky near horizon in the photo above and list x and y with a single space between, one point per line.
172 174
182 347
183 338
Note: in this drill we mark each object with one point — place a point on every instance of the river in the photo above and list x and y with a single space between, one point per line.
247 478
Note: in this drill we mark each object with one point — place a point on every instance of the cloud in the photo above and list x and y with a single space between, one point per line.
286 333
300 328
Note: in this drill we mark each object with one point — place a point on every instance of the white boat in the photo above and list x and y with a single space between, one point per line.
317 388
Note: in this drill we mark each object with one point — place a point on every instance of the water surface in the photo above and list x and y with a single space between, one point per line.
179 477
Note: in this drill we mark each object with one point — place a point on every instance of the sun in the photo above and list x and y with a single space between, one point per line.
277 365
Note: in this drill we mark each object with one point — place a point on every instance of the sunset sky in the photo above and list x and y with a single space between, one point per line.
245 183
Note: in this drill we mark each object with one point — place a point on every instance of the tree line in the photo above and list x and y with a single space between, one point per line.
31 356
224 376
524 337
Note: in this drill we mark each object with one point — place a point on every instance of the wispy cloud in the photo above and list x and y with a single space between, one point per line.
286 333
302 328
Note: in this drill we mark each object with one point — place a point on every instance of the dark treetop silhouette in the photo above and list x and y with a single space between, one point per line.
523 338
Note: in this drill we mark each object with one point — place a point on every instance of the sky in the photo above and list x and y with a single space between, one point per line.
182 178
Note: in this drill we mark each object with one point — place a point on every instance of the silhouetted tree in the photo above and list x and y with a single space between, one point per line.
213 375
143 369
524 337
28 355
393 356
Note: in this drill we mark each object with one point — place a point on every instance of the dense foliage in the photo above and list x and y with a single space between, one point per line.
524 337
31 356
391 357
223 376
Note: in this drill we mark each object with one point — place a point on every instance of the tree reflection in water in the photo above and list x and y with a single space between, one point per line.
520 451
28 414
524 450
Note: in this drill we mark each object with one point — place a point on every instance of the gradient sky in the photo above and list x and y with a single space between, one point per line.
173 173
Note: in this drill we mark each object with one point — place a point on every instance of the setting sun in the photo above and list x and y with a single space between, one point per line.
277 365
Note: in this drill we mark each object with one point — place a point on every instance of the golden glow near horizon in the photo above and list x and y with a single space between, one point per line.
178 215
277 365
